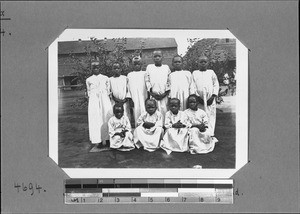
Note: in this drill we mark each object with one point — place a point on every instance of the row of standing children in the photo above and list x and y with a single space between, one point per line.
158 82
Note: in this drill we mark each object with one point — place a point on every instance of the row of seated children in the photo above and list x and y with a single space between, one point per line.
185 131
157 82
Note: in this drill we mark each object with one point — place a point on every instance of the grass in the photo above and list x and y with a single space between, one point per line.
74 145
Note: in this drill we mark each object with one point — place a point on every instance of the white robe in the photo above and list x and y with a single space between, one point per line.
206 85
175 139
137 92
181 86
157 78
118 88
199 142
118 125
149 138
99 107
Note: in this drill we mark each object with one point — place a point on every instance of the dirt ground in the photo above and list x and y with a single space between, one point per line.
74 145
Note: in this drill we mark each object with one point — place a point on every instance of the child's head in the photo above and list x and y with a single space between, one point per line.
150 105
192 102
177 63
95 68
157 56
174 105
137 63
203 63
118 110
116 68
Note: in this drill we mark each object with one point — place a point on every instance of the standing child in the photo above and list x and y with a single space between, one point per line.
120 130
200 133
181 82
137 92
149 130
207 88
118 88
157 81
176 136
99 106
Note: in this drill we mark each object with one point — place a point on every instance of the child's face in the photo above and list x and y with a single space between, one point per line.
203 63
177 63
192 101
95 68
118 112
150 107
116 69
157 57
174 106
137 65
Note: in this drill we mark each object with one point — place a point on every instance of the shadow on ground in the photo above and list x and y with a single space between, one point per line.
74 145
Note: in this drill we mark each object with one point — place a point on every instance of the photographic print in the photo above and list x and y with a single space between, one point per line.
140 103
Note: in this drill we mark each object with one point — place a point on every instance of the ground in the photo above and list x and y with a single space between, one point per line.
74 145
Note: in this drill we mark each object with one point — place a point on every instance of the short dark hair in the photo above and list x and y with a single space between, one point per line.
176 99
192 95
118 105
150 100
158 50
177 56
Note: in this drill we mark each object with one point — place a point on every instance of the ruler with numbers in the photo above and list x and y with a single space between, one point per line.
112 191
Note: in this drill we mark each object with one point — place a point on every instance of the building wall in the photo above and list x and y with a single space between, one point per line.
65 64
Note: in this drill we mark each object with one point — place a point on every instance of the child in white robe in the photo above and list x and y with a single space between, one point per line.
176 136
181 83
118 88
207 88
119 128
200 132
149 131
137 92
158 82
99 106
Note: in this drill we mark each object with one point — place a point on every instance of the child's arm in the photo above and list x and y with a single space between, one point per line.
192 86
159 122
168 85
88 87
168 122
128 95
215 92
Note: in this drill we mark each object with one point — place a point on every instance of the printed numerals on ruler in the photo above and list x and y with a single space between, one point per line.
108 191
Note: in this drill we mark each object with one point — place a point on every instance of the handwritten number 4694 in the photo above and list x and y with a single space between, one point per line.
32 188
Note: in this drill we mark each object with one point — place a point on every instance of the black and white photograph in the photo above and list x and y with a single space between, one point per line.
148 99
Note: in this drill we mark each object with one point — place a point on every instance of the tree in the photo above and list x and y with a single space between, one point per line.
218 55
106 52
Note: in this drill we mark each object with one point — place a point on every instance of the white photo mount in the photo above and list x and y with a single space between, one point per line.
241 145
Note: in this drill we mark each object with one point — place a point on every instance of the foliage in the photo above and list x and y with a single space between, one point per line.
219 58
106 52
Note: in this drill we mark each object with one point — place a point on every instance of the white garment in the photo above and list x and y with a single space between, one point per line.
157 78
175 139
181 85
99 107
118 88
206 85
149 138
137 92
116 125
199 142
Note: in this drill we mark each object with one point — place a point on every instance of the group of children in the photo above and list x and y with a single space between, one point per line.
175 111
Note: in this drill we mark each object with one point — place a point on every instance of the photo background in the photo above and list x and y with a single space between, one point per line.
73 134
269 29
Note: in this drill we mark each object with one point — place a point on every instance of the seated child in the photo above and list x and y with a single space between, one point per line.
176 136
120 130
149 130
200 133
